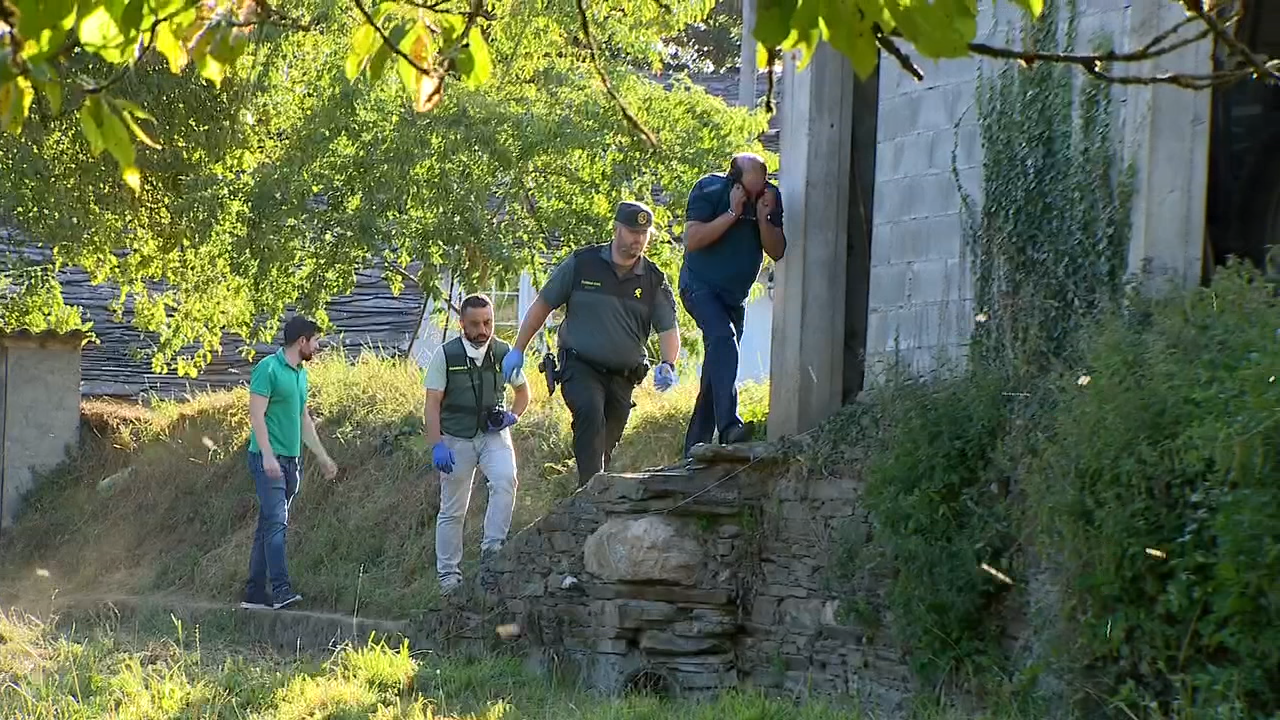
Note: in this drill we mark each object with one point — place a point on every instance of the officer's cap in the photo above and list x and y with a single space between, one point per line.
634 215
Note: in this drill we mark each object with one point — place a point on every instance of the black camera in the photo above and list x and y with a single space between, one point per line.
493 418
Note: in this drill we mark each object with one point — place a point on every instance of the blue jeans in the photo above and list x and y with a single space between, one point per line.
267 562
721 321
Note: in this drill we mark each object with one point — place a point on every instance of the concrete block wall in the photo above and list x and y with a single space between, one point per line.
39 415
921 309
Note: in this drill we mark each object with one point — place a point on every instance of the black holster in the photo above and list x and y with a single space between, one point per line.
548 368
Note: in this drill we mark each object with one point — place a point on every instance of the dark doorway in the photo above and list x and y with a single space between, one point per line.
1244 154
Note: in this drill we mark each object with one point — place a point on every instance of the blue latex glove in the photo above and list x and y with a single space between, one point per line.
512 364
508 419
664 377
442 457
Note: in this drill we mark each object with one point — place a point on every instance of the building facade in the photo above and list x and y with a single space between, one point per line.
879 271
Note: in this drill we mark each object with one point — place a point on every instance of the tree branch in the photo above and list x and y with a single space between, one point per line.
898 53
1260 66
604 78
386 39
405 274
1160 45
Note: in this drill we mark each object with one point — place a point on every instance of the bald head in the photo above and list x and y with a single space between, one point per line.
751 171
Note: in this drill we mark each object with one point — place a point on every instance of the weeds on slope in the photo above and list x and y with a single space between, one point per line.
158 498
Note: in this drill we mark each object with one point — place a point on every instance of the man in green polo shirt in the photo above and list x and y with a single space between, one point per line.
614 297
468 427
280 425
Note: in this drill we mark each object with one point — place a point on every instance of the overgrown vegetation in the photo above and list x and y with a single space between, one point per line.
1118 518
85 676
159 500
1050 236
1084 519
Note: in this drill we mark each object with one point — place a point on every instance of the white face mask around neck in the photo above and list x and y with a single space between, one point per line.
475 352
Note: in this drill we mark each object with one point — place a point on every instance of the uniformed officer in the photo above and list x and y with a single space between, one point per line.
468 427
615 297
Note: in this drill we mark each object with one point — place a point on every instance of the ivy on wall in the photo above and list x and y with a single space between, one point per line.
1049 236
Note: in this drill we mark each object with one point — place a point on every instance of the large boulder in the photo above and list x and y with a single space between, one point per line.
643 549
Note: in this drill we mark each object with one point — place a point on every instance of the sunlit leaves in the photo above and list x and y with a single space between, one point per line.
426 49
275 188
111 125
935 29
15 99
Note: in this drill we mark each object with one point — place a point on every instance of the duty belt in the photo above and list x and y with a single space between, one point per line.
635 375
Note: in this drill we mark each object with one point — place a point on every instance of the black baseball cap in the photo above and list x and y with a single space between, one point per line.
634 215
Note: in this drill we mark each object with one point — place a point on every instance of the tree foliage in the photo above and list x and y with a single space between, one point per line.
275 184
44 44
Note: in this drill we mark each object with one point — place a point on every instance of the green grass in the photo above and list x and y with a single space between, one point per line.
49 675
180 519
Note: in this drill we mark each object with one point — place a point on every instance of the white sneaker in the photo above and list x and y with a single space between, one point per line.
449 583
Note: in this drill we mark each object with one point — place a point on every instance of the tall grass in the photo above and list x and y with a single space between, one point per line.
158 498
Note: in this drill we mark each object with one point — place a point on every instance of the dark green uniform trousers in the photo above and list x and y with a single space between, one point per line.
600 403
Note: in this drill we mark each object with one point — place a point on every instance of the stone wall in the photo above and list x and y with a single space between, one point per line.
690 580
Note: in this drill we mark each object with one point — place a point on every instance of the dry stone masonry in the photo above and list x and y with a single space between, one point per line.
689 580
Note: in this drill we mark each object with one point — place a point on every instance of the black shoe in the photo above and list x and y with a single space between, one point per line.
286 599
739 434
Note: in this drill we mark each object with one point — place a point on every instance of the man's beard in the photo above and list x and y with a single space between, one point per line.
305 355
478 342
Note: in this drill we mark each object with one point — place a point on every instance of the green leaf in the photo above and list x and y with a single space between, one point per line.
35 17
210 67
128 112
100 33
229 45
806 31
130 19
363 43
47 81
451 27
15 102
91 124
43 24
171 48
773 21
117 140
851 35
474 62
383 54
1035 7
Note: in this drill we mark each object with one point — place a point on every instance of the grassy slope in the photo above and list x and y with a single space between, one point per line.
182 519
48 676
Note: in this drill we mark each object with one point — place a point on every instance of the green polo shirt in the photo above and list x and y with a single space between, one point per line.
285 388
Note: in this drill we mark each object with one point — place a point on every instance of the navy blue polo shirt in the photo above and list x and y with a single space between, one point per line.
731 263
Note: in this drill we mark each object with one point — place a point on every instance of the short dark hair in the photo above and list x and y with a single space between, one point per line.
298 328
475 300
